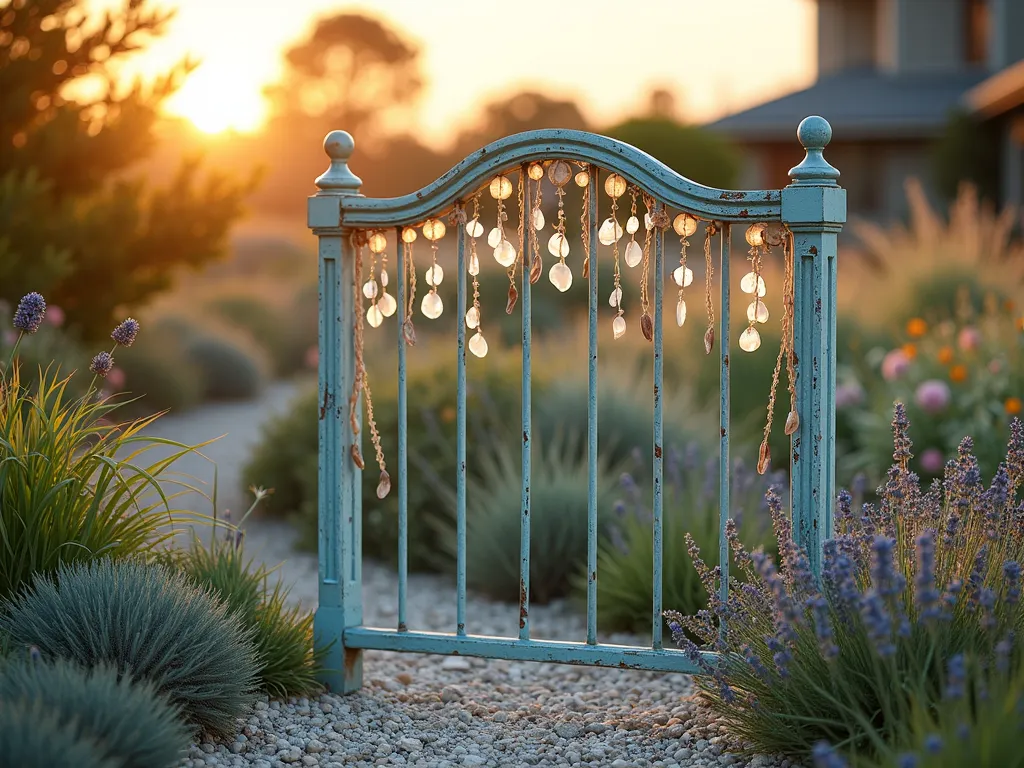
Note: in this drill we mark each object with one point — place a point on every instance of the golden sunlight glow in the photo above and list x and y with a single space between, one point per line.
215 101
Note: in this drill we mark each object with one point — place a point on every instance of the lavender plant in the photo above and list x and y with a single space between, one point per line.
908 584
691 513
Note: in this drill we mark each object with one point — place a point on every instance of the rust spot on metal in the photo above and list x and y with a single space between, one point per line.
657 451
526 437
623 665
723 431
352 656
817 306
323 406
402 627
725 361
796 360
462 628
593 575
732 195
744 213
523 611
455 653
813 250
796 456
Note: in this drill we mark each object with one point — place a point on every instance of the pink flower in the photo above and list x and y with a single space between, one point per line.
55 316
895 364
849 395
995 366
932 461
969 339
932 396
312 357
115 379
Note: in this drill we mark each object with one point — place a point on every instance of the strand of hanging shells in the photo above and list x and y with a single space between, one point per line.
559 174
477 344
752 283
432 306
684 225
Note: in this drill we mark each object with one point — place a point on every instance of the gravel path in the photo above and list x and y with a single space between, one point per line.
420 710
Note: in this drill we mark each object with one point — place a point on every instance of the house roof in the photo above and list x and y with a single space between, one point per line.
859 104
1000 93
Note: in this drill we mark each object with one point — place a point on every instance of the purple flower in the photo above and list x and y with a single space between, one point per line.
826 757
849 395
924 582
878 623
29 315
823 627
933 744
101 364
1011 571
755 663
956 677
932 461
895 365
907 760
1003 648
901 443
933 396
126 332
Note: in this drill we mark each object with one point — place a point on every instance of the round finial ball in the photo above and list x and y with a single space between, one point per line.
339 145
814 132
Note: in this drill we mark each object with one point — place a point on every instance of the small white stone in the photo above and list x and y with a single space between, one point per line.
459 663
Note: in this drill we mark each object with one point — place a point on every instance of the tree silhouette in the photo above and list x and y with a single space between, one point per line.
74 222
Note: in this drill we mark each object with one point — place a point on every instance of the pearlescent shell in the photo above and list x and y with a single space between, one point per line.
559 173
478 344
757 312
374 316
432 306
610 231
755 235
750 340
435 275
615 298
615 186
505 253
377 242
558 245
537 219
634 253
433 229
472 317
474 265
618 327
648 221
536 171
682 276
582 179
750 280
474 228
383 485
408 235
684 224
501 188
560 276
370 288
680 312
384 278
495 236
387 304
632 225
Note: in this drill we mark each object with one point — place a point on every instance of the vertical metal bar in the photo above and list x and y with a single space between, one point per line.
659 435
460 513
403 455
724 470
524 518
592 418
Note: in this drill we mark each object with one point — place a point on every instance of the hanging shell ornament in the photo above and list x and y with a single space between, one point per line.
505 254
684 225
647 326
755 235
474 228
609 232
387 304
513 296
634 253
558 245
434 275
537 219
501 188
433 229
582 179
680 312
374 316
559 173
560 276
478 344
408 235
536 171
757 312
750 280
750 340
378 242
615 186
792 423
383 485
709 340
618 327
764 457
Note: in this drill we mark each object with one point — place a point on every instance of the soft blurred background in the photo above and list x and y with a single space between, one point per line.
155 158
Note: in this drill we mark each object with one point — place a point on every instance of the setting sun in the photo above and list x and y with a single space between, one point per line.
214 101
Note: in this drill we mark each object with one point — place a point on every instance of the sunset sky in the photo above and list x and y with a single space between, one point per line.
715 55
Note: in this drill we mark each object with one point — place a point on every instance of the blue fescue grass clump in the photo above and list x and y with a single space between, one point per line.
129 722
691 517
909 584
34 737
147 622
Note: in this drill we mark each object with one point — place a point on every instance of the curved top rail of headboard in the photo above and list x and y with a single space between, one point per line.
506 154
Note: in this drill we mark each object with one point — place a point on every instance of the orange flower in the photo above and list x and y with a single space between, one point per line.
946 355
916 328
958 373
910 351
1020 323
1013 406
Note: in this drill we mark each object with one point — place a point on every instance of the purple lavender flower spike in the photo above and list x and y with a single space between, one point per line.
956 677
126 332
101 364
907 760
826 757
30 312
755 663
1002 651
987 600
844 506
924 582
901 440
1011 572
933 744
878 623
1015 455
974 581
823 627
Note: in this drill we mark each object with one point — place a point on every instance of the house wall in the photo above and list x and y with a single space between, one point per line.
846 35
1006 37
922 35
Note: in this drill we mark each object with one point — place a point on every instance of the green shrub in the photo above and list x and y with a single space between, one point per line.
281 334
74 485
130 723
32 737
694 152
160 374
625 558
956 378
283 636
148 622
227 370
558 519
907 586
